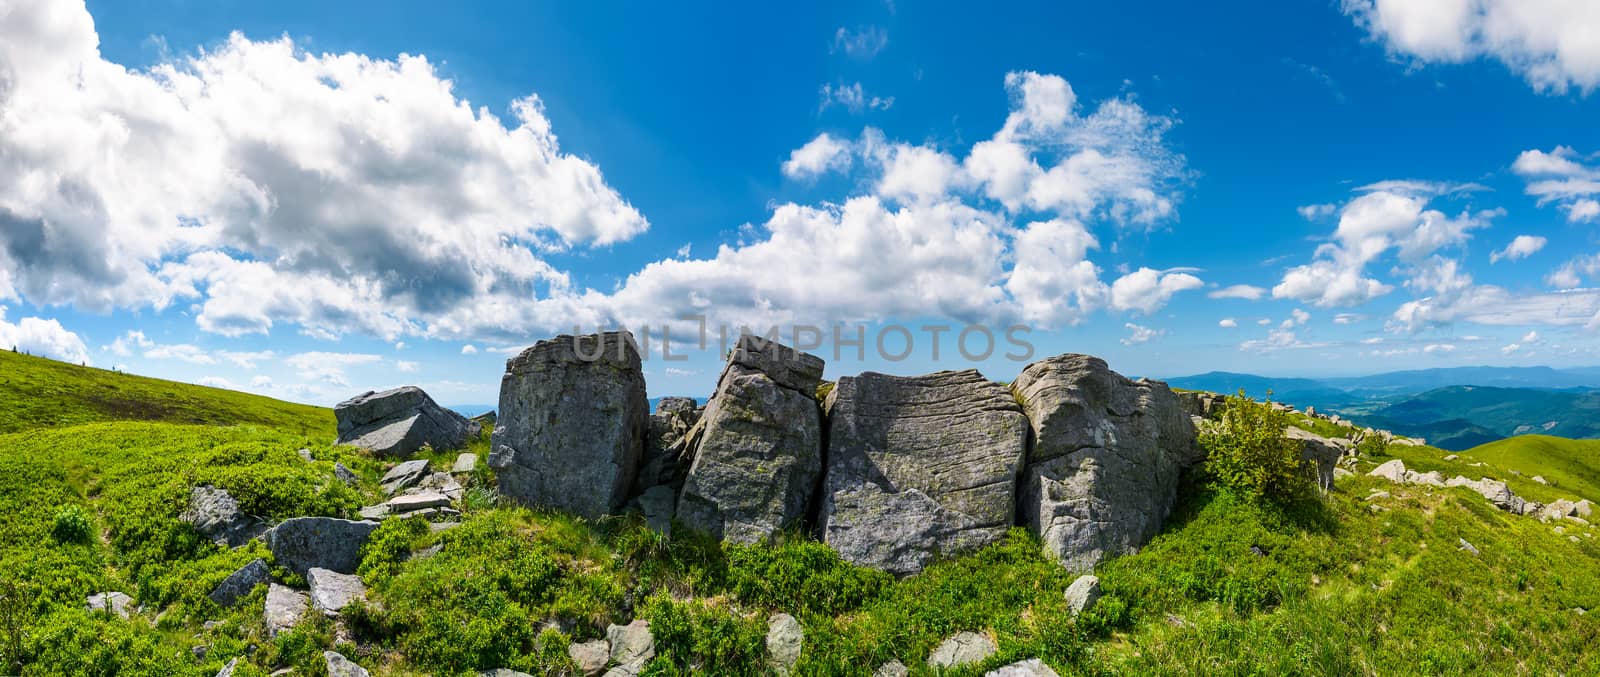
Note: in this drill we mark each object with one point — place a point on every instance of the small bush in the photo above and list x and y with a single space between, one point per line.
72 525
389 545
803 577
1248 452
697 638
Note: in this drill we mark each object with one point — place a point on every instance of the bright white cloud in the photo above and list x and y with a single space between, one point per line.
820 155
44 337
1551 43
406 366
1348 318
1561 176
1317 212
1228 323
469 349
124 345
1521 247
1439 348
1147 290
1140 334
1276 340
1239 291
268 184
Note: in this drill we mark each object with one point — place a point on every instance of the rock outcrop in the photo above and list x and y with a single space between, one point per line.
284 608
1319 453
1103 471
216 515
785 638
332 591
339 666
324 542
919 467
666 456
760 452
572 423
241 582
962 648
110 602
398 422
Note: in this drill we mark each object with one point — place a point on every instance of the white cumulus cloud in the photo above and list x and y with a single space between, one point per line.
42 336
1521 247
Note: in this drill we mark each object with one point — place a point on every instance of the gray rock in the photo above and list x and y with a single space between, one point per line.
305 455
332 591
1201 404
658 504
919 467
1032 667
503 672
404 475
785 638
227 670
285 607
1467 546
464 463
345 475
216 515
892 669
116 602
1083 593
398 422
760 454
239 583
339 666
1583 509
591 656
631 644
1319 453
401 505
324 542
375 512
1107 452
962 648
573 416
1394 471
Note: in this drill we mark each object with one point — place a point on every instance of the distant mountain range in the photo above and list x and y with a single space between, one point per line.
1454 408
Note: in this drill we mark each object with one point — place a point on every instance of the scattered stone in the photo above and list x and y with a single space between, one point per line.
1394 471
239 583
1431 478
919 467
115 602
892 669
591 656
760 452
573 416
216 515
465 463
502 672
398 422
301 543
1083 593
1539 479
1467 546
345 475
227 670
784 640
305 455
1583 509
1341 473
962 648
1319 453
401 505
1451 457
1375 495
1107 451
332 591
404 475
374 512
1257 551
1032 667
339 666
284 608
631 644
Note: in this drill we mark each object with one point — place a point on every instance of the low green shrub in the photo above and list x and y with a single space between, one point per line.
1246 451
72 525
803 577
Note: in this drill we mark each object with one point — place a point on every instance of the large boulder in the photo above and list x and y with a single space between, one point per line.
216 515
241 582
1318 453
398 422
1107 451
962 648
331 591
760 453
284 608
323 542
573 416
919 467
665 458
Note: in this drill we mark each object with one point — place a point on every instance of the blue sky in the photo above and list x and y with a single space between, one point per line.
275 199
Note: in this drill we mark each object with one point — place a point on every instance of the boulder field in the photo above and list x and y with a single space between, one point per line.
893 472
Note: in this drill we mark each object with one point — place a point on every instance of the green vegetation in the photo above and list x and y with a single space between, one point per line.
36 392
1298 584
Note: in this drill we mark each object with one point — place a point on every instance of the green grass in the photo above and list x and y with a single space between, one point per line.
1571 466
36 392
1233 586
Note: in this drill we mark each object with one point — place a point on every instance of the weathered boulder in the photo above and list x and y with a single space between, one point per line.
339 666
666 455
1083 593
285 606
241 582
919 467
1394 471
631 644
784 640
1032 667
110 602
591 656
464 464
216 515
1201 404
962 648
573 416
404 475
227 670
323 542
760 453
1107 452
332 591
892 668
398 422
345 474
1318 453
503 672
658 504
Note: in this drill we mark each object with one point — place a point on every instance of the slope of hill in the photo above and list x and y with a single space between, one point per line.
1573 466
36 392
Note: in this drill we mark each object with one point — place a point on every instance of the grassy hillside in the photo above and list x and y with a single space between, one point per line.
1331 585
36 392
1570 465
